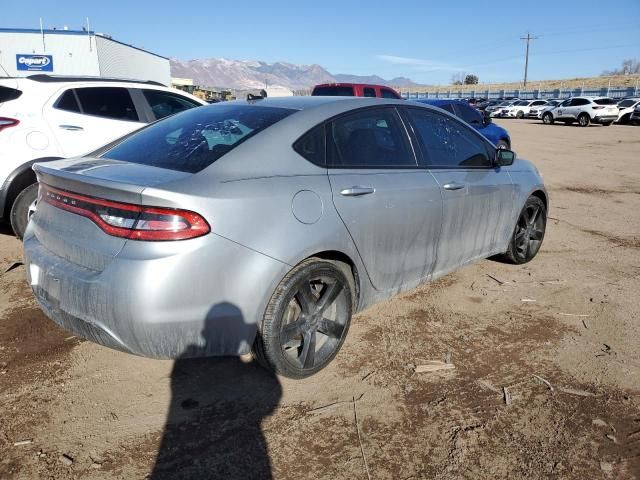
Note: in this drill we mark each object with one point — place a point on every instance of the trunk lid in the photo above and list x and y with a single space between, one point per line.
74 237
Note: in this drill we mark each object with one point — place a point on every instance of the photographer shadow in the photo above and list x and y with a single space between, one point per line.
213 426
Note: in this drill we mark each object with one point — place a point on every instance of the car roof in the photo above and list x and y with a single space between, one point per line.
44 78
309 102
440 101
350 84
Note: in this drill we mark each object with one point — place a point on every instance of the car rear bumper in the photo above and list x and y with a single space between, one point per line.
201 297
605 118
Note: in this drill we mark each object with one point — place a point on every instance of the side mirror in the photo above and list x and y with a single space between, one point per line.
504 157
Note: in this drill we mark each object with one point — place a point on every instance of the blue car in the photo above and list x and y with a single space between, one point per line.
496 134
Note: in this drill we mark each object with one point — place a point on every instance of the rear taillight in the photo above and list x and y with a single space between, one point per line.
8 122
126 220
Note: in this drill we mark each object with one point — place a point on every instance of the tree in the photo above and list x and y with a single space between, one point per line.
630 66
457 78
471 80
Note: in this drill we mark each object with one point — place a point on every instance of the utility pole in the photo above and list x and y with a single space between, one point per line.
528 38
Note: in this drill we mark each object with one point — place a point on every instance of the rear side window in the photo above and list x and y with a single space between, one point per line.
312 145
468 114
164 104
7 94
370 138
605 101
335 91
192 140
578 102
369 92
446 143
386 93
107 102
68 102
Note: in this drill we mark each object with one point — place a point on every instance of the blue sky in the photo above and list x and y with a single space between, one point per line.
425 41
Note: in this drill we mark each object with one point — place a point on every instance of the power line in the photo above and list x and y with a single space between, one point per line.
528 38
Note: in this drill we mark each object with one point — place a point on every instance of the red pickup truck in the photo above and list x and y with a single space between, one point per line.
354 90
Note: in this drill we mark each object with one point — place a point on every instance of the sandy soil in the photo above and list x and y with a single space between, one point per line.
561 334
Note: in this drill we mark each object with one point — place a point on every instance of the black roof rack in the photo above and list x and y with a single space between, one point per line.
44 78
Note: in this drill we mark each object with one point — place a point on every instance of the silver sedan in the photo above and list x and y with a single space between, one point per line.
265 225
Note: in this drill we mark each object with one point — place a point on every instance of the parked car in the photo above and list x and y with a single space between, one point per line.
500 109
625 109
584 110
354 90
488 103
521 108
537 112
495 133
634 119
267 224
46 117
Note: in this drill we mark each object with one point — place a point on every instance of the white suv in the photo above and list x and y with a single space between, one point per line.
585 110
45 117
521 109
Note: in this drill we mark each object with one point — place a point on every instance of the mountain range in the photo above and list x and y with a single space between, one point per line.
248 75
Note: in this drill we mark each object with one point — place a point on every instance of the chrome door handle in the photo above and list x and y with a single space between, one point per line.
453 186
74 128
356 191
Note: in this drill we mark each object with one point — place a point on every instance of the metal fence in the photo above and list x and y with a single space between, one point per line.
614 92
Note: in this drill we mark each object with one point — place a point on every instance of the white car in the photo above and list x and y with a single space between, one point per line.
626 108
584 110
521 108
45 117
499 109
634 119
536 112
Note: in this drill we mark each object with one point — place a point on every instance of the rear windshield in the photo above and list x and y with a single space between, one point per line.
605 101
627 103
7 94
192 140
336 91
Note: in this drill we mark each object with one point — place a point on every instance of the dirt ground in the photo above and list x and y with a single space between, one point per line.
560 334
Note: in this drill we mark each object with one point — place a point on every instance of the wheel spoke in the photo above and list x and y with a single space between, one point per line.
305 298
293 329
308 354
536 235
534 216
328 296
330 328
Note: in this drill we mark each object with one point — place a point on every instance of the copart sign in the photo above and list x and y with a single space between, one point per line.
34 63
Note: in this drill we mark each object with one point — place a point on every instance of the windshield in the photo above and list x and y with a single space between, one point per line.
192 140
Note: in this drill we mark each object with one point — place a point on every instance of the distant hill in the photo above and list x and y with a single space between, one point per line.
246 75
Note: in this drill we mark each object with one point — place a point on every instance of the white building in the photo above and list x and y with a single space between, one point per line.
25 52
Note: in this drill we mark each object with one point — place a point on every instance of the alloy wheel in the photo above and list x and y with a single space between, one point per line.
314 322
529 231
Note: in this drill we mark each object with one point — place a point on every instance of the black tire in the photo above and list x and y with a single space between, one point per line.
584 120
520 114
298 313
624 120
606 124
547 119
503 144
528 233
20 210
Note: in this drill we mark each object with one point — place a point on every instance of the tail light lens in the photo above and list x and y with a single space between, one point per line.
125 220
8 122
597 107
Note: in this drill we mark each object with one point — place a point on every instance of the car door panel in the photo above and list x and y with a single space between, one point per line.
474 217
391 207
395 228
81 132
476 196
